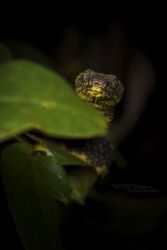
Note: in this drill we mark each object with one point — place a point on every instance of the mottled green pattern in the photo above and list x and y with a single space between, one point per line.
103 91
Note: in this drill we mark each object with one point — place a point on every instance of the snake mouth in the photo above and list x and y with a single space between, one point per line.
95 93
96 97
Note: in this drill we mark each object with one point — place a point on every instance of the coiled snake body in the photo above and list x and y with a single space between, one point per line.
103 91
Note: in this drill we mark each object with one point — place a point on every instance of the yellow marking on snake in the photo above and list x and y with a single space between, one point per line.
103 92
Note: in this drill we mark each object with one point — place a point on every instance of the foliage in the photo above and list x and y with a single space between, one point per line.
39 177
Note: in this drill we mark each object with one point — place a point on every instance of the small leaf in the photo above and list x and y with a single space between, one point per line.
63 156
33 184
81 180
34 97
81 175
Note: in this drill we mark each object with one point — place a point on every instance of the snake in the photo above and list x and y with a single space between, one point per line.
103 92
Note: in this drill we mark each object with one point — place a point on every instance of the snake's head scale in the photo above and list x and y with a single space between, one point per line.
98 88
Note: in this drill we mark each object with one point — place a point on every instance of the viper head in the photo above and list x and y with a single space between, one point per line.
98 88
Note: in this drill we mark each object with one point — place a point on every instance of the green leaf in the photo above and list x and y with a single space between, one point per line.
81 175
64 157
33 183
81 180
34 97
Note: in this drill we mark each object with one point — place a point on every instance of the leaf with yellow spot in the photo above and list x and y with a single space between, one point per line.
34 97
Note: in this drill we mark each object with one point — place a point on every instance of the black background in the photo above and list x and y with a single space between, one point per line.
146 27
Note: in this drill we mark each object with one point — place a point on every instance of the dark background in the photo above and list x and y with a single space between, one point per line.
144 147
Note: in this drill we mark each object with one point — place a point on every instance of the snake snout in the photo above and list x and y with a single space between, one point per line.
96 89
